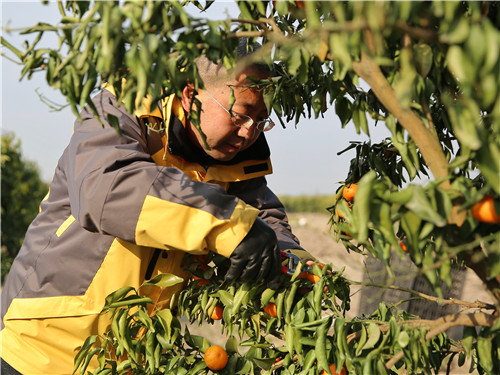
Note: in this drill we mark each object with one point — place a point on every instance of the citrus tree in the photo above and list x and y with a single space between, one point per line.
22 191
427 71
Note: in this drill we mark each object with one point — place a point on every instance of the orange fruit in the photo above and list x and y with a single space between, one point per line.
309 276
201 281
338 212
270 309
216 358
485 211
299 4
333 369
349 191
218 313
403 246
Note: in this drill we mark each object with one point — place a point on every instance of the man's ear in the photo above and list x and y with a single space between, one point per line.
187 96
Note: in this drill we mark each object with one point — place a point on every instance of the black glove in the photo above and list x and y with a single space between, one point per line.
257 256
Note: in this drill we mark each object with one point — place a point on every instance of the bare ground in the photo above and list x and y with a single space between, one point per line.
313 232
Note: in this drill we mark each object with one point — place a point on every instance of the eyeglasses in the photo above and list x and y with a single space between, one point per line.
244 121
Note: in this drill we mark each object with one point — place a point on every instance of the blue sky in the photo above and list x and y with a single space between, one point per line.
304 158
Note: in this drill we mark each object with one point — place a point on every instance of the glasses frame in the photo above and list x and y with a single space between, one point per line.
262 125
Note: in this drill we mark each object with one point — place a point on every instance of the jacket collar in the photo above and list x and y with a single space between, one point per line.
179 151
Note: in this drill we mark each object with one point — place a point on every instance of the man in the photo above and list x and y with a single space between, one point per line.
122 209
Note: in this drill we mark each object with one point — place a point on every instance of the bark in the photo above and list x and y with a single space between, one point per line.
428 144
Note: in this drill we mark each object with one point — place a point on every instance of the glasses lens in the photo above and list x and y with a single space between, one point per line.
265 125
242 121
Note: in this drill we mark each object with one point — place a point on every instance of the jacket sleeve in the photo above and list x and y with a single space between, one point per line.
116 188
256 193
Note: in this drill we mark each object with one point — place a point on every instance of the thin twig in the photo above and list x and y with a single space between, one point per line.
449 301
418 33
444 323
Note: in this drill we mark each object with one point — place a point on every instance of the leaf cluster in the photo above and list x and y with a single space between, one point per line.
308 333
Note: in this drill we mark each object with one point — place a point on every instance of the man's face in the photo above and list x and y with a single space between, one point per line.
224 138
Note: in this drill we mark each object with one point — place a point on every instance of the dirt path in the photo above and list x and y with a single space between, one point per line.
313 232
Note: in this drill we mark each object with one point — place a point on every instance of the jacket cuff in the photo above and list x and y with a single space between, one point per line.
223 239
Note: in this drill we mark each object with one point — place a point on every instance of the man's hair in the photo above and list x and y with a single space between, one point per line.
215 73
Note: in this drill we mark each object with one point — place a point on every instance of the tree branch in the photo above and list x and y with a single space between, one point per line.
444 323
429 146
427 35
444 302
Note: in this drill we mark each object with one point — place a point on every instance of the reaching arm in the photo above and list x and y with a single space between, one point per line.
256 193
116 188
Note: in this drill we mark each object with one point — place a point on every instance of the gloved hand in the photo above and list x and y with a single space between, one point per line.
257 256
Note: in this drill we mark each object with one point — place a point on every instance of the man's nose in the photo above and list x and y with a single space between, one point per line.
247 132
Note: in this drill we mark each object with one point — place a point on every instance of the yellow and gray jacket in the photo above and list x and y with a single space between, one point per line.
120 210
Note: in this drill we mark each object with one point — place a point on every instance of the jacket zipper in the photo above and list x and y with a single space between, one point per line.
152 264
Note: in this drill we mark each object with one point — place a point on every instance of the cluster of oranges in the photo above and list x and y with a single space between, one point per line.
216 359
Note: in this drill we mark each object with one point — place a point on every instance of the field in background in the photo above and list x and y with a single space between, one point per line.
307 203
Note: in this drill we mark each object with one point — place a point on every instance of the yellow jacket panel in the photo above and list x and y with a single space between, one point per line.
122 209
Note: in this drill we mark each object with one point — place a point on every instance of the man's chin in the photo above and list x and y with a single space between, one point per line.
221 156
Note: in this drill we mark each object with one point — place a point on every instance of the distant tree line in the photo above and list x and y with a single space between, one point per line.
22 192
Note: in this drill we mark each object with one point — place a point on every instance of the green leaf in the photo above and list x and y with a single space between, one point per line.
420 205
197 368
83 352
487 160
225 297
165 317
117 295
232 100
232 345
241 297
164 280
343 110
400 197
145 319
362 341
373 336
362 204
423 58
289 338
263 363
113 121
484 352
457 33
459 64
312 15
338 45
403 339
267 294
359 118
294 61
